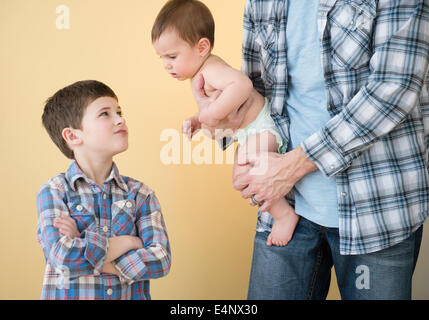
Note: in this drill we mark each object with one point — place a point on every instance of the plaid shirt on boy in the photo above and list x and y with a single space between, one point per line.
123 206
374 55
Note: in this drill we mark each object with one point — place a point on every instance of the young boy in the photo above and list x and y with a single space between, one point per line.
183 36
102 234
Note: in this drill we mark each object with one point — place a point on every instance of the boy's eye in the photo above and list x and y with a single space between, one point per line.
172 57
119 113
104 113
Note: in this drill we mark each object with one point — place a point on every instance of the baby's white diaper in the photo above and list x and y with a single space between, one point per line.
263 122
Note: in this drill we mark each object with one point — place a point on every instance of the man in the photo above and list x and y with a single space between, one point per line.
349 90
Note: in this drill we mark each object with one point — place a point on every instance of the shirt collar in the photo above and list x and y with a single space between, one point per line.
74 173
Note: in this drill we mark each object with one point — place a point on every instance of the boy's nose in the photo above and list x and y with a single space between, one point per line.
167 66
119 120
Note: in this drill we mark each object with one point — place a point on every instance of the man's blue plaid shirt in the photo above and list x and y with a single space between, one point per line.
375 57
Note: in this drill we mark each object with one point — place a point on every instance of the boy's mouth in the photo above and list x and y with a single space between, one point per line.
174 75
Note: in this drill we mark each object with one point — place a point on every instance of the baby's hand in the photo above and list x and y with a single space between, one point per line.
67 226
191 126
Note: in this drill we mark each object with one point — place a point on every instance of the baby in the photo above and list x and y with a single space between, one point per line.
183 36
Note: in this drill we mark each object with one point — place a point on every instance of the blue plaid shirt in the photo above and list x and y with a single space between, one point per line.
374 57
121 206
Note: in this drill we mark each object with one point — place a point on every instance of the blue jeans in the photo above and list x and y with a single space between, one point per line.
302 269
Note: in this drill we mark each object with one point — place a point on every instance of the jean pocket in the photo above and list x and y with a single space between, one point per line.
83 217
351 27
266 37
124 217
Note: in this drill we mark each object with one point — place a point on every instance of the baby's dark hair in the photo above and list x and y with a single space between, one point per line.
190 18
67 106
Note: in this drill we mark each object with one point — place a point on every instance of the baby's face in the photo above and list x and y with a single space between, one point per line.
180 60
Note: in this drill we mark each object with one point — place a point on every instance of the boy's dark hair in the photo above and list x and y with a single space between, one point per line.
66 109
190 18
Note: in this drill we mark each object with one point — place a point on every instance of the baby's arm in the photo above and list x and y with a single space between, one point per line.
235 89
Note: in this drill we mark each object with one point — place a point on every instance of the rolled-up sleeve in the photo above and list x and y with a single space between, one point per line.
399 66
77 256
154 259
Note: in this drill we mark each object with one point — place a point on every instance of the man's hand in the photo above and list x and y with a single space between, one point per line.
270 176
229 124
67 226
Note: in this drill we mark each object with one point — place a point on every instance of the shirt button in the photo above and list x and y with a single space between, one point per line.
104 196
129 204
105 229
79 207
344 194
109 292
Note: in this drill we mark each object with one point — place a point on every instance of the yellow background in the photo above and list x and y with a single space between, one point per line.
210 226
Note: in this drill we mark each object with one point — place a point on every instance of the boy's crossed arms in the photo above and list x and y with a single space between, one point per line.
88 252
117 246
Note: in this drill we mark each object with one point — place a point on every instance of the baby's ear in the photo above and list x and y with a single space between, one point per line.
204 46
72 137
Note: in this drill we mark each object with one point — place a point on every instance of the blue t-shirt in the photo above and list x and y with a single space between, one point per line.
315 194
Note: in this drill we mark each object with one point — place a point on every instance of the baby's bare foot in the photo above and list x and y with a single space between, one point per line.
282 230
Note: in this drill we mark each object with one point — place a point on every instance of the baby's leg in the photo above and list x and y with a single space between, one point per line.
285 221
285 218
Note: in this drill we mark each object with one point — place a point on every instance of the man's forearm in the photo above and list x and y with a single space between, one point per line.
303 165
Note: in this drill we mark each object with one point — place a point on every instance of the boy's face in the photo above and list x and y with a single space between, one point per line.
180 60
104 132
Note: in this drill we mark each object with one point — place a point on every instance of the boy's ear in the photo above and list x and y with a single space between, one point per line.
204 46
72 137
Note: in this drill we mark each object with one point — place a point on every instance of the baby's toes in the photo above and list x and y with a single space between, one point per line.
269 241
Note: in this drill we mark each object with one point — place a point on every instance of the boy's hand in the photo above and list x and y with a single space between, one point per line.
108 267
122 244
138 243
67 226
191 126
